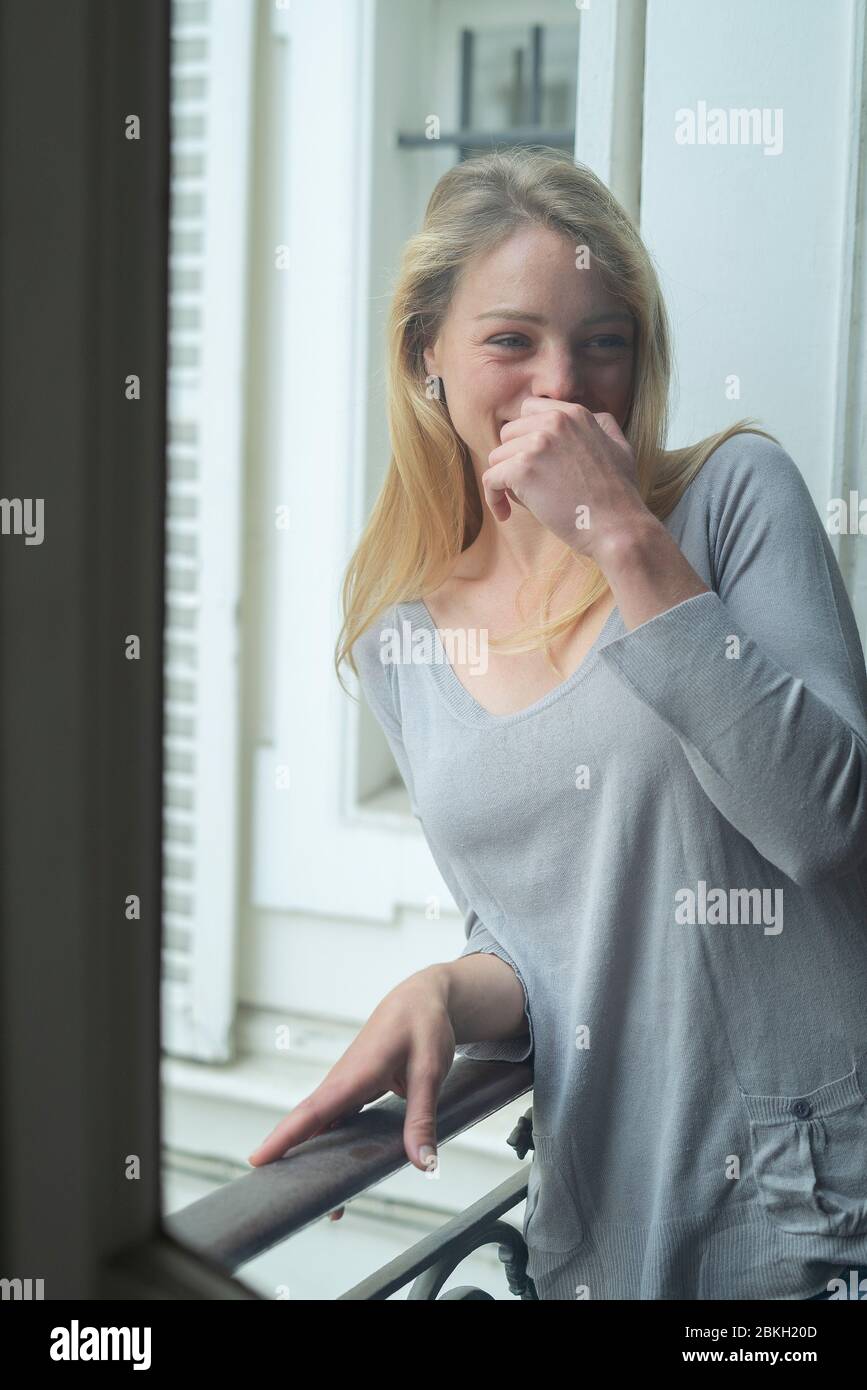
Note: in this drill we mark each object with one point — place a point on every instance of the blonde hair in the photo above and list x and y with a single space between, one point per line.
429 508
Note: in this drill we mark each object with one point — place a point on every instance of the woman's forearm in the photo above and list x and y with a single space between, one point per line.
483 996
647 572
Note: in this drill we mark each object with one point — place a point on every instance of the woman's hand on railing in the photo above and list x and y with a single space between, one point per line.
407 1046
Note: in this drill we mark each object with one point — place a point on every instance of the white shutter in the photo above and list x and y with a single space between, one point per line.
211 94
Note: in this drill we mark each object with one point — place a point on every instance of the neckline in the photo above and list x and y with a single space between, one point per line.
465 705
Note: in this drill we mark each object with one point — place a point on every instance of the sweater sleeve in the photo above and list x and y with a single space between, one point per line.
376 679
772 724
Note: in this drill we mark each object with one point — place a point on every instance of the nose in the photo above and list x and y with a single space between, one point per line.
560 377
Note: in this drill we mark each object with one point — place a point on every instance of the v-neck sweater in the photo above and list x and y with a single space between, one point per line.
668 849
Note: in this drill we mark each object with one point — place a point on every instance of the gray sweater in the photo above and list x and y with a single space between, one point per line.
669 850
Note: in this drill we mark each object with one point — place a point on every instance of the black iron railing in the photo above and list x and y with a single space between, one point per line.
266 1206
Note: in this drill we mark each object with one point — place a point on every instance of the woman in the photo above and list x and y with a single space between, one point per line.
648 796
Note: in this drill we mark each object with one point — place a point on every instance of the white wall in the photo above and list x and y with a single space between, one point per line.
752 247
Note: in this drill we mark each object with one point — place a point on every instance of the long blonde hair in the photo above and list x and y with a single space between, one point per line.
429 508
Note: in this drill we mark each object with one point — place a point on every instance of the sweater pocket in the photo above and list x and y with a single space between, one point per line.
809 1157
552 1221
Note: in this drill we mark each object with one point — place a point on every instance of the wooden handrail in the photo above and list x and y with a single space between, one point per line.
253 1213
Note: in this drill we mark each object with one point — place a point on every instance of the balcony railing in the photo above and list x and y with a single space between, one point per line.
254 1213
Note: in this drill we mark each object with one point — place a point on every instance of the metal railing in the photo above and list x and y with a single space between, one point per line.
254 1213
470 138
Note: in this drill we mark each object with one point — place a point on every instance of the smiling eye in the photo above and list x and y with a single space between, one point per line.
515 341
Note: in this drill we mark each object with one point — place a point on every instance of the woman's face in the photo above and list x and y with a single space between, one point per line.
525 321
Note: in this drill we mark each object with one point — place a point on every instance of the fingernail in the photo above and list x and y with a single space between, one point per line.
425 1153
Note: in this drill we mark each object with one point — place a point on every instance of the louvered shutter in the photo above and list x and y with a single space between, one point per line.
211 95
